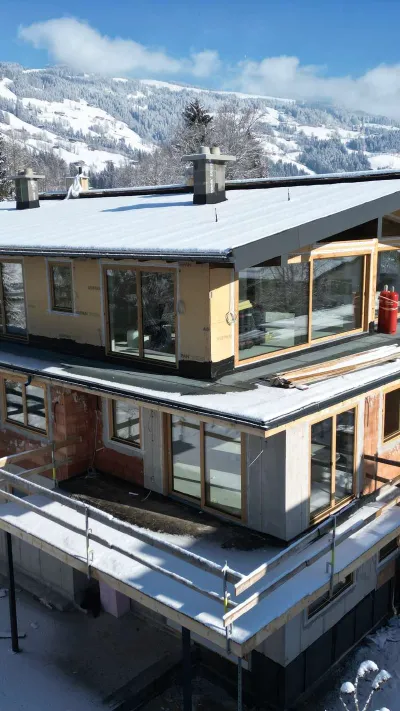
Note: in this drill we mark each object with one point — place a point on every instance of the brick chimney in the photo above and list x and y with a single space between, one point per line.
208 175
26 189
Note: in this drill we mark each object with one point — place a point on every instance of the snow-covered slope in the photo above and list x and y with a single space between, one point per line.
96 120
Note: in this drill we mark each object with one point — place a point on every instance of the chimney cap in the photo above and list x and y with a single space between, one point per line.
205 154
27 173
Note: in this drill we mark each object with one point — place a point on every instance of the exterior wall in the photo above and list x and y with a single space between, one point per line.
376 475
222 307
193 313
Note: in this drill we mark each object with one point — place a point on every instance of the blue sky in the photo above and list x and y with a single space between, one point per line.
299 48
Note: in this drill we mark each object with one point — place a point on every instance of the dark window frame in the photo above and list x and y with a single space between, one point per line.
389 549
51 265
3 315
24 425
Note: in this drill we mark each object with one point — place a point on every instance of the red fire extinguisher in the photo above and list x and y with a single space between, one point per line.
388 310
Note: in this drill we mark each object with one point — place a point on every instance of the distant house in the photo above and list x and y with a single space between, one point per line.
220 360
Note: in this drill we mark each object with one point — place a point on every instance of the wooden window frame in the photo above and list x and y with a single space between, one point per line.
310 258
50 265
321 515
392 550
138 271
3 333
382 248
25 427
168 464
111 420
395 435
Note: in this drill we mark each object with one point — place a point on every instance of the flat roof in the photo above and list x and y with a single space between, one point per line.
250 227
244 398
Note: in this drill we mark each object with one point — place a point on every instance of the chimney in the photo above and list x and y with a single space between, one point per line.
26 189
208 175
83 178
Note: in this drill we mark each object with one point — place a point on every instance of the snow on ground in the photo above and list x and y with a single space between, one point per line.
5 92
80 116
383 648
384 160
70 661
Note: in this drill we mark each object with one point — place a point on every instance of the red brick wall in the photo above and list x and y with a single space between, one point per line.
75 414
376 475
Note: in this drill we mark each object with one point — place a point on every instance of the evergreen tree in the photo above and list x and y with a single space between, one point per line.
5 185
195 114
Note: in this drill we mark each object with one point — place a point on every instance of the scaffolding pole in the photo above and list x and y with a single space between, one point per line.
186 670
11 596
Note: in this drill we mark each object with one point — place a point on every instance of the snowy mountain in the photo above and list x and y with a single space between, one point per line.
95 120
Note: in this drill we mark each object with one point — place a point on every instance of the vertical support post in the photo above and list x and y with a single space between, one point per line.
11 596
226 596
87 532
240 684
53 464
333 556
186 670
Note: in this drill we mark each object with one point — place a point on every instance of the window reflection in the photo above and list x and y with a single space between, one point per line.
337 295
123 311
273 308
14 298
126 420
344 454
186 470
14 402
391 426
223 469
157 293
61 277
388 274
321 465
35 407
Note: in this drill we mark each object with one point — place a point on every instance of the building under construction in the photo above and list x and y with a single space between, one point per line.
199 415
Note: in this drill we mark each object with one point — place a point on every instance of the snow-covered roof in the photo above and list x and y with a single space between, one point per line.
251 226
255 403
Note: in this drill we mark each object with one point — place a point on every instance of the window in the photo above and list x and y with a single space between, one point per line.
206 464
386 551
125 422
12 299
388 273
61 288
332 461
326 598
25 405
141 313
391 422
290 306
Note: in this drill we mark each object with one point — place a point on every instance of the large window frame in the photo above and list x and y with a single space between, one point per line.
382 250
202 502
3 314
112 404
138 270
51 264
25 426
333 506
310 258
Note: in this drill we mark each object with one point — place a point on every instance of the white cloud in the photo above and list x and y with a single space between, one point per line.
377 91
73 42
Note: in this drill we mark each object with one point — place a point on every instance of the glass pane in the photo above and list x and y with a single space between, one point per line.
392 414
158 308
14 402
223 469
321 465
62 286
186 473
337 299
14 298
345 423
388 274
273 309
122 311
35 407
126 422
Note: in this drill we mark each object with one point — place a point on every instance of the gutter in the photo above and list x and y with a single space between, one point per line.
206 257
